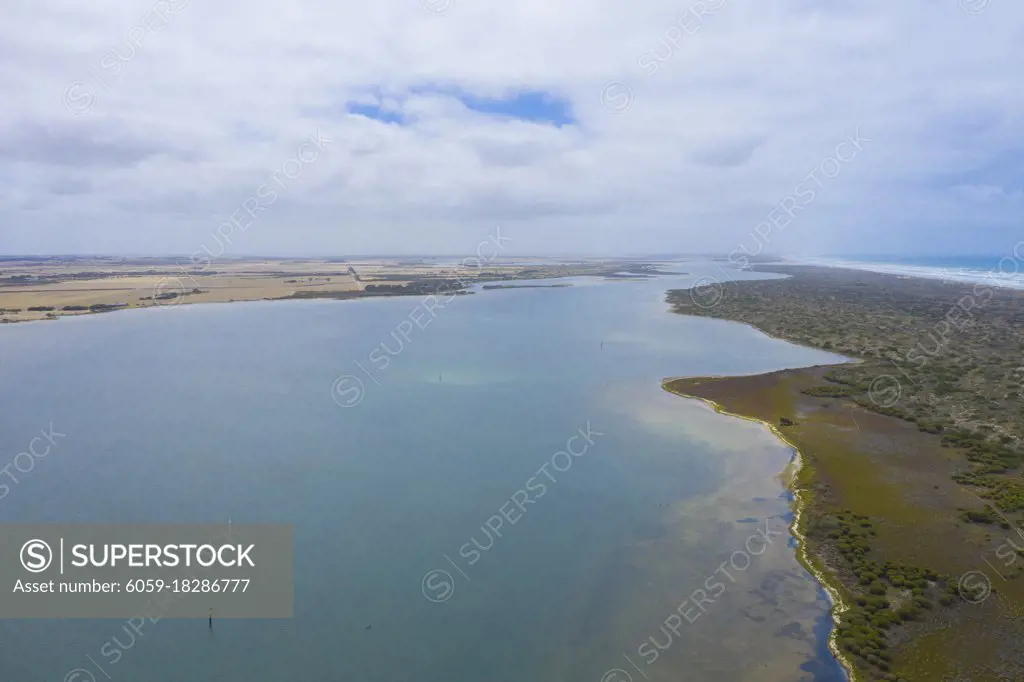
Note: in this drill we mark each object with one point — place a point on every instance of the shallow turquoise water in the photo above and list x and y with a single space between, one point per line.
210 412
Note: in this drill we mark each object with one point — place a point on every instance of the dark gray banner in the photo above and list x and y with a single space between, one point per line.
151 571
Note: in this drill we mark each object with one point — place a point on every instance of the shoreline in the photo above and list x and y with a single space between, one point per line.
171 306
466 288
961 275
796 465
910 456
43 289
359 295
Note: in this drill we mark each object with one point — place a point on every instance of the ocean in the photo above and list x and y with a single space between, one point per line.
1006 270
390 475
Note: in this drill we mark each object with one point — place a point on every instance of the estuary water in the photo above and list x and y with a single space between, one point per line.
424 548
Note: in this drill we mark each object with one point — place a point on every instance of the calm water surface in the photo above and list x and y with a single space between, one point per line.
210 412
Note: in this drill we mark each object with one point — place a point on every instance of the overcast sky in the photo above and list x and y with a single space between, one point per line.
578 126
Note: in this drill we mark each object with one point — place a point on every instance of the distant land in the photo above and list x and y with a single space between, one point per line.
48 287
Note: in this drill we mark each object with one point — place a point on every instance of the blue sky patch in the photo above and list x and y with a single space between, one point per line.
375 112
535 106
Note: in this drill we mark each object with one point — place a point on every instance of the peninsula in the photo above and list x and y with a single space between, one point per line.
910 495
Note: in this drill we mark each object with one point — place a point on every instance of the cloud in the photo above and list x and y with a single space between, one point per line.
989 194
70 186
728 153
139 127
77 144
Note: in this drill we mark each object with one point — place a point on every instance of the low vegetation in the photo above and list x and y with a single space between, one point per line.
945 356
883 595
900 509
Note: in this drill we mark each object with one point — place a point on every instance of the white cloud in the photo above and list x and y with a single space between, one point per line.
216 96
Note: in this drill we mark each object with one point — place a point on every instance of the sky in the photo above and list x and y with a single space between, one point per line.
331 127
